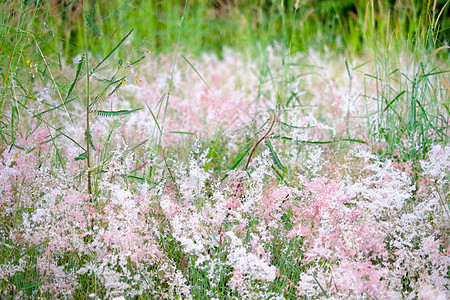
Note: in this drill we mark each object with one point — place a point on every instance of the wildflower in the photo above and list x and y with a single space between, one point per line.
28 62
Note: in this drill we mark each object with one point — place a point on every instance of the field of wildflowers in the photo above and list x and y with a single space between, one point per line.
274 176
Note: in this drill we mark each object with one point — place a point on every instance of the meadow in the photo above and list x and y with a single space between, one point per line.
224 149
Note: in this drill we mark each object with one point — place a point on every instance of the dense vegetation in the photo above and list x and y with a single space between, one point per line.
224 149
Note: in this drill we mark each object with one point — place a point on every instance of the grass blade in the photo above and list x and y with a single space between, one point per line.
111 36
115 113
198 74
112 51
28 251
182 132
137 60
137 146
348 69
395 99
80 64
240 157
320 286
154 118
38 115
52 139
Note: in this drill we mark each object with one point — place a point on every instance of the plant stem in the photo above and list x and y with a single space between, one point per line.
173 72
87 135
259 141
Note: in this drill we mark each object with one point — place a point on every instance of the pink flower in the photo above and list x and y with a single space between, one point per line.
233 203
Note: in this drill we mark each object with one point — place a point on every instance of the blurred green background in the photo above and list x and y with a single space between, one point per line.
350 26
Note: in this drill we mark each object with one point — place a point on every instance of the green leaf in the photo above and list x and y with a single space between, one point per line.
110 83
80 64
117 87
115 113
318 283
53 108
198 74
89 137
348 69
52 139
137 60
182 132
90 23
92 8
154 119
29 251
112 51
133 177
240 157
278 137
137 146
274 156
212 152
392 102
287 221
82 156
295 127
354 141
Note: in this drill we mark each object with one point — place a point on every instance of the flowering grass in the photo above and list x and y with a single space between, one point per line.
278 174
206 210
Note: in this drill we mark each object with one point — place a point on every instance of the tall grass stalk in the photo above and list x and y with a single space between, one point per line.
88 100
173 72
